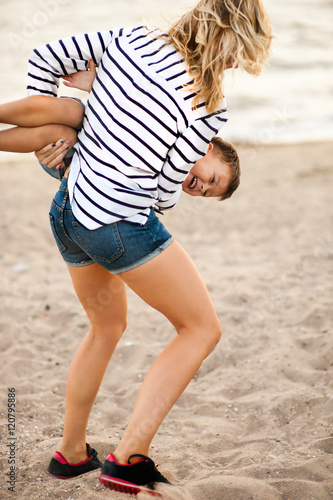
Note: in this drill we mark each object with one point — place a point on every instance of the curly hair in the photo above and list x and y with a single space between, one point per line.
219 34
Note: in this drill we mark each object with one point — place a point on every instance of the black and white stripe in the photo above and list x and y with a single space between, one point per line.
140 136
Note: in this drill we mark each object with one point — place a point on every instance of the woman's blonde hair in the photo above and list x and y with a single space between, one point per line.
217 34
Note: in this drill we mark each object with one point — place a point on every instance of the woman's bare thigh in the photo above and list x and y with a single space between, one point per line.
171 284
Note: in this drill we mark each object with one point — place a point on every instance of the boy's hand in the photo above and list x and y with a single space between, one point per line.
52 155
82 80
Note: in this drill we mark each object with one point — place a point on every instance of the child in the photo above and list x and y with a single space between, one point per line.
42 119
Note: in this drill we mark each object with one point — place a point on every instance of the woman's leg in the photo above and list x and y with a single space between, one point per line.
38 110
27 140
103 297
171 284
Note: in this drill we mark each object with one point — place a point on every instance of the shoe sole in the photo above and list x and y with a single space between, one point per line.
124 487
69 477
61 477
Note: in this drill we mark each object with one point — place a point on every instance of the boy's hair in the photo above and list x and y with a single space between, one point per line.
216 34
228 154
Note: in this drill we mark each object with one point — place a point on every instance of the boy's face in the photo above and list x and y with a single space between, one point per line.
209 176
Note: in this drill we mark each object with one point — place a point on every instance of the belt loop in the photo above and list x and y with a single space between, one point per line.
64 201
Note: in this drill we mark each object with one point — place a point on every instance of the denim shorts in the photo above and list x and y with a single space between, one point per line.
117 247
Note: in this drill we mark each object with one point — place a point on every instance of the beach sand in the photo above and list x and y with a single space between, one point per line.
256 421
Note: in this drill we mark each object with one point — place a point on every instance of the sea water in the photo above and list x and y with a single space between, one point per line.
291 101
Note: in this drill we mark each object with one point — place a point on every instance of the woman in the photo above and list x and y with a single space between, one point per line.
155 105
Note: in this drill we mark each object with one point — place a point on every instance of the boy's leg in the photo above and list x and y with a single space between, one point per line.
103 297
26 140
171 284
39 110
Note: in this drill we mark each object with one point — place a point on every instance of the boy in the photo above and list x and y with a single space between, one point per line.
220 162
42 119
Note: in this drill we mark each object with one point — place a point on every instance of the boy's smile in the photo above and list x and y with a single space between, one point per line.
193 183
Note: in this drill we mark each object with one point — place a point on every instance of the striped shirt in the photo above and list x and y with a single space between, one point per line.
140 135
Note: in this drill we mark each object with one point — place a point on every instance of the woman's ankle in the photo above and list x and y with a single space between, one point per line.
74 454
122 457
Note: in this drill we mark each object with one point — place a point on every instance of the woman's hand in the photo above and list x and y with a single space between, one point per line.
53 154
82 80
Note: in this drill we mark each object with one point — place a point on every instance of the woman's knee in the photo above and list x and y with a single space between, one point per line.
207 332
110 330
213 334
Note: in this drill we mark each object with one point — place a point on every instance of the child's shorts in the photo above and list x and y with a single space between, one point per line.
117 247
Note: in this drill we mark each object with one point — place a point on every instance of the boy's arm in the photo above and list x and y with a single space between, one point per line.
48 63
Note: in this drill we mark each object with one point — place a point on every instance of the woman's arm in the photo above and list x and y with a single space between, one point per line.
53 155
50 62
63 58
188 148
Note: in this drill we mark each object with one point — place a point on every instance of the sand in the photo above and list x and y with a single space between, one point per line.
256 421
